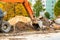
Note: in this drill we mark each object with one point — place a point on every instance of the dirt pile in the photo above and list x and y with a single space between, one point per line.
16 19
21 26
21 23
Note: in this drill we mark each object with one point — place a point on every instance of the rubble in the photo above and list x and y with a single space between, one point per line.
25 23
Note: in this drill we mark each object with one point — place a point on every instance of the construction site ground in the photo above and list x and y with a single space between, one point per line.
31 35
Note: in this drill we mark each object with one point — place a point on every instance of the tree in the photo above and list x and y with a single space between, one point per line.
37 8
47 15
57 9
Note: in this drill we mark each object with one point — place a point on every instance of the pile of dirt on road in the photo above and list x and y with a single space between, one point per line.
21 26
21 23
15 19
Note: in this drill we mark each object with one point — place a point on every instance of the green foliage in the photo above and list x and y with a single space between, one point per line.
37 8
47 15
57 9
44 9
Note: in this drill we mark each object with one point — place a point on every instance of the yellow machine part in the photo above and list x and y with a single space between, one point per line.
13 9
2 6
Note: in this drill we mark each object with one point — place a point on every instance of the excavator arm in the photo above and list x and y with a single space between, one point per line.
28 8
26 5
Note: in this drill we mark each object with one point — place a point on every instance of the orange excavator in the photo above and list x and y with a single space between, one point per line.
27 7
